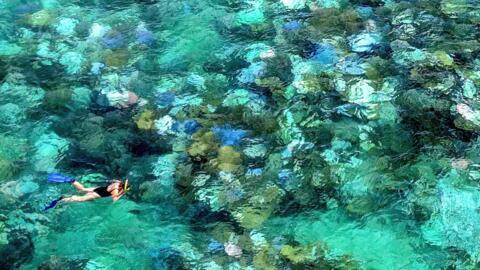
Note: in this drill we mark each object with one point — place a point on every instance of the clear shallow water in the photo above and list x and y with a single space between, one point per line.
288 134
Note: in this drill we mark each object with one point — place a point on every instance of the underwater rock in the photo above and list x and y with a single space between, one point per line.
404 17
294 254
13 147
364 11
24 9
8 49
40 18
145 37
288 180
229 136
214 246
11 114
334 21
165 99
360 206
165 167
360 92
252 15
233 250
266 259
197 81
98 31
460 163
18 251
444 58
336 230
258 240
352 65
294 4
251 217
111 82
204 143
164 125
325 54
292 26
66 26
200 180
331 3
7 169
19 189
50 149
81 98
168 258
184 103
455 220
296 148
48 52
364 42
228 159
406 55
258 52
440 82
469 89
310 76
470 118
120 99
289 130
252 72
96 68
13 151
73 62
55 262
145 120
461 8
91 141
4 236
50 4
24 95
243 97
57 99
256 151
113 40
210 196
187 127
116 58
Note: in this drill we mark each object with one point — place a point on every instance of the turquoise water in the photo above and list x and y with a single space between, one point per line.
255 134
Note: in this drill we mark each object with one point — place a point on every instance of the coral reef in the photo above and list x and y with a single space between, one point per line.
291 134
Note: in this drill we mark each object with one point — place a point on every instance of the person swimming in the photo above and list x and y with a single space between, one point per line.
116 189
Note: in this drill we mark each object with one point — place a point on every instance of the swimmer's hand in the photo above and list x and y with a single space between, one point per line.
115 195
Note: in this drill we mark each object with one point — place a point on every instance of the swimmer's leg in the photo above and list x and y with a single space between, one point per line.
87 197
81 188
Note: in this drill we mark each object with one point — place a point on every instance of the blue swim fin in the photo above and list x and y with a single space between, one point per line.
59 178
53 204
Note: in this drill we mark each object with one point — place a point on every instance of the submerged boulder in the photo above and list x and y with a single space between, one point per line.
50 149
455 222
18 251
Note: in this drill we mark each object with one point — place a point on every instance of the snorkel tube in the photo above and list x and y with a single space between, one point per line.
125 186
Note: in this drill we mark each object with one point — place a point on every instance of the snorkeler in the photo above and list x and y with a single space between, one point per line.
116 189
